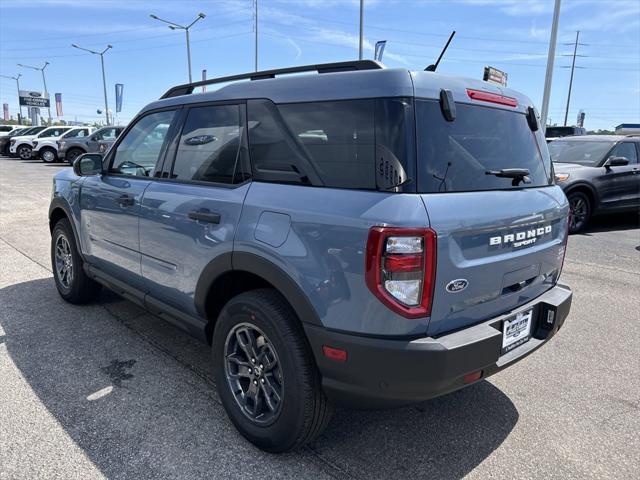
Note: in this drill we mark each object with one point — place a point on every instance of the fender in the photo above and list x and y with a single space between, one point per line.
61 204
585 185
251 263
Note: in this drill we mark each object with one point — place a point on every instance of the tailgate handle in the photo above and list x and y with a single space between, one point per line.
204 216
516 287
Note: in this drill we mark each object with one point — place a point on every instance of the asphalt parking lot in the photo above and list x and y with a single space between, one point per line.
109 391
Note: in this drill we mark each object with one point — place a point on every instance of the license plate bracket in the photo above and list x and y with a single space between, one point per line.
516 330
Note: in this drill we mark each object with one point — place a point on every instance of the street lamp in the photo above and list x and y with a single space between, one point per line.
175 26
44 82
104 79
17 79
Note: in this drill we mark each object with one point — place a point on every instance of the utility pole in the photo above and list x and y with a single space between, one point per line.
550 61
573 67
44 82
255 4
361 46
104 78
17 79
175 26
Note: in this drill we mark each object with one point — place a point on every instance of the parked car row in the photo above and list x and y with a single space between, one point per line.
57 143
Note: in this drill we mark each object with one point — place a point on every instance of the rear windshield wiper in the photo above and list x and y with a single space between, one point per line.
518 174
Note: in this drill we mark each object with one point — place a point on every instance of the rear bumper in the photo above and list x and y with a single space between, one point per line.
383 373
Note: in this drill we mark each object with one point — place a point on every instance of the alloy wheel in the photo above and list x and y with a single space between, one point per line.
579 213
24 153
48 156
64 262
253 373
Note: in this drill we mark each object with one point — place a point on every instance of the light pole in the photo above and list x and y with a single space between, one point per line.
17 79
550 61
104 78
44 82
175 26
361 40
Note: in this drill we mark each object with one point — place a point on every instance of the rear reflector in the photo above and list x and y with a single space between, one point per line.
491 98
472 377
337 354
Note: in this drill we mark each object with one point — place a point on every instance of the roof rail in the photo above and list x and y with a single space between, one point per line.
188 88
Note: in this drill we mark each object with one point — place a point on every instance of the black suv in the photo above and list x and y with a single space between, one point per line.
598 173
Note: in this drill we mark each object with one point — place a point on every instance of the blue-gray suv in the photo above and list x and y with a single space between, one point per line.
365 236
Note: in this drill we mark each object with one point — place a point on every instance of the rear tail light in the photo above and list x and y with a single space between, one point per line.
492 98
400 268
566 242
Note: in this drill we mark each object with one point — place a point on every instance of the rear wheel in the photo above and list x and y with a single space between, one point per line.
580 205
48 155
72 282
265 373
24 152
73 154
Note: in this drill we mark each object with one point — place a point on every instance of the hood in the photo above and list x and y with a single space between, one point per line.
560 167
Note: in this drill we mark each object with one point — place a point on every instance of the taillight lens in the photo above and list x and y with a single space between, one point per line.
491 97
400 268
566 242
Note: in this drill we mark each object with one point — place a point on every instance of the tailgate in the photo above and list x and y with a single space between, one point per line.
496 251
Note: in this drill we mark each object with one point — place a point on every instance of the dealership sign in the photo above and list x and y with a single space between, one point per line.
30 98
494 75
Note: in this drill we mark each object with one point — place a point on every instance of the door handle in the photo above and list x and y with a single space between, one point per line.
204 216
126 201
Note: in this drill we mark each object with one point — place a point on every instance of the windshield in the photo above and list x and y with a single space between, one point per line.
34 130
456 156
589 154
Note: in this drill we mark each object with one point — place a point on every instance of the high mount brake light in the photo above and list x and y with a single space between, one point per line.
491 98
400 268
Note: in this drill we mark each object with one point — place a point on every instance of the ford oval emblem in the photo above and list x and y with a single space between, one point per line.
455 286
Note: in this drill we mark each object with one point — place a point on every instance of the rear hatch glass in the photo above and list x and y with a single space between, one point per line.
455 156
501 238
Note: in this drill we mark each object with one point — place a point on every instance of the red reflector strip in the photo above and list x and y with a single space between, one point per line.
472 377
337 354
403 263
492 98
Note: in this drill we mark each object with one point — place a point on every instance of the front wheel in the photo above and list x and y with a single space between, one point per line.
48 155
580 206
24 152
72 282
73 154
265 373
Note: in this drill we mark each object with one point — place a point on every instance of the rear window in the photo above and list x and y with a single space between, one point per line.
358 144
456 156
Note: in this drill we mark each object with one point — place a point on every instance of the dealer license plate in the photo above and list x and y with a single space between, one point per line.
516 331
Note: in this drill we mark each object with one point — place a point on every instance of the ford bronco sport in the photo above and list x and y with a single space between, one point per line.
364 235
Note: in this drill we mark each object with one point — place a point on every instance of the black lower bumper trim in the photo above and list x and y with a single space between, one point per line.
383 373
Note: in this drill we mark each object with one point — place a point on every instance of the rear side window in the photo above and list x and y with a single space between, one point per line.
456 156
211 147
358 144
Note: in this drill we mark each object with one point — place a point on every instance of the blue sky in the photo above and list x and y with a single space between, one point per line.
148 57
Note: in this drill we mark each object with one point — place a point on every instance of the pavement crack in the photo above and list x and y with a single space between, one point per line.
26 255
334 470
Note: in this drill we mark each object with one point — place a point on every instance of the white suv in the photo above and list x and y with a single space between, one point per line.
22 146
7 129
46 148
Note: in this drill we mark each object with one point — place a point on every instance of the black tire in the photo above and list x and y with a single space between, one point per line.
24 152
75 287
48 155
303 410
73 154
581 209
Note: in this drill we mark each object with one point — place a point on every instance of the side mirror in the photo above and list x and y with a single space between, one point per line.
88 164
616 162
